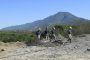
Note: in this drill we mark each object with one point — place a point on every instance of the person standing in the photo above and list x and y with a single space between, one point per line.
53 36
69 34
38 34
46 33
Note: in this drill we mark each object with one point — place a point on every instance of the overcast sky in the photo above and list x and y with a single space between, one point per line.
16 12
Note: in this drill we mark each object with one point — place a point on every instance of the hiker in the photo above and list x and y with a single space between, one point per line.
69 31
46 33
38 34
53 36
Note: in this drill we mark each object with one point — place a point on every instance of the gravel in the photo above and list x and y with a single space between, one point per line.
77 50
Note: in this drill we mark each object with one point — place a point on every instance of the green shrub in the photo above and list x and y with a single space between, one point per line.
16 36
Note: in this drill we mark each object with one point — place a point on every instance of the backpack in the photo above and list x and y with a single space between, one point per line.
69 31
38 32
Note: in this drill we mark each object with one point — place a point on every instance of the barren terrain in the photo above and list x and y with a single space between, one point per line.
77 50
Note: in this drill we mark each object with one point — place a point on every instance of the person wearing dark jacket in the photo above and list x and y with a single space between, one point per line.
38 33
46 33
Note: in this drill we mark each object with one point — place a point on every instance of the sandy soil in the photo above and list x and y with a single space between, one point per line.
77 50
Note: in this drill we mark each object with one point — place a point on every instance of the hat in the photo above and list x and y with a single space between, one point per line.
70 27
54 28
39 28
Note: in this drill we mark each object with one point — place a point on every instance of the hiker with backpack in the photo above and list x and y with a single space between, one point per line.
69 31
46 33
38 34
52 34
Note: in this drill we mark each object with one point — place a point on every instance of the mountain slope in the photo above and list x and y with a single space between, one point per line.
58 18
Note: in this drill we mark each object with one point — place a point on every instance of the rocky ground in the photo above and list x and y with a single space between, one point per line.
79 49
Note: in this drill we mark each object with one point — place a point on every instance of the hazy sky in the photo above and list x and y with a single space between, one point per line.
15 12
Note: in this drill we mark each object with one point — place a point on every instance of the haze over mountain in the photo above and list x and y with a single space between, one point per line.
63 18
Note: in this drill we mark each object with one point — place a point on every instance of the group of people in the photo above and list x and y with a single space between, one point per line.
52 32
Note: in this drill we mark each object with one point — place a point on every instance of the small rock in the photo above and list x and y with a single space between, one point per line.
2 49
88 49
82 35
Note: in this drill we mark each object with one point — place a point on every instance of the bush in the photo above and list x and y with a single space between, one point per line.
12 36
83 28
